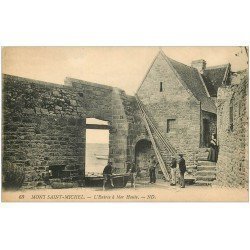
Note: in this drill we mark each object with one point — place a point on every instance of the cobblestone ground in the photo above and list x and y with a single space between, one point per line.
161 191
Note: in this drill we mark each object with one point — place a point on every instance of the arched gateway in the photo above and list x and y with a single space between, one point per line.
143 151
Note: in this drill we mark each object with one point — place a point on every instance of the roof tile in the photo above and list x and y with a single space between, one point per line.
213 78
193 81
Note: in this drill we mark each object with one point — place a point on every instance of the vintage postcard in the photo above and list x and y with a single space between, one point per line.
122 124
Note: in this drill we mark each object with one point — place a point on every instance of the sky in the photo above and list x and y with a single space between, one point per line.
95 135
122 67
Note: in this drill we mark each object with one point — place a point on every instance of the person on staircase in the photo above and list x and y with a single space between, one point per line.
213 151
152 170
173 166
182 169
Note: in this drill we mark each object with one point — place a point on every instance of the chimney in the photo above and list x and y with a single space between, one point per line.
199 64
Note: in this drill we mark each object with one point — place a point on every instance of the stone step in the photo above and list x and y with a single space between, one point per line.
202 158
206 173
206 168
206 178
202 150
191 167
203 153
206 163
203 183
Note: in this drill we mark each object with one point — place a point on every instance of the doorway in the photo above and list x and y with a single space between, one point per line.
206 133
97 146
143 153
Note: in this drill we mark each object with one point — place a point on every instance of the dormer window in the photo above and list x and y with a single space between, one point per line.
161 88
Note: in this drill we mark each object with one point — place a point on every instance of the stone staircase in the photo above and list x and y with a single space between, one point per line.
162 147
206 170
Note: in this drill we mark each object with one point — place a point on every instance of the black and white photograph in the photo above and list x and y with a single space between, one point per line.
125 124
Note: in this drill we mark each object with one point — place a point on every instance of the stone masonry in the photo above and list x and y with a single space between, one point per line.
174 102
44 123
232 166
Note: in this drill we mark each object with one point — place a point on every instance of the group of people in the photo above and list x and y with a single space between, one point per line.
134 171
131 169
173 166
182 169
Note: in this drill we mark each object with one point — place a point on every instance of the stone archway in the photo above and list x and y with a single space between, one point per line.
143 152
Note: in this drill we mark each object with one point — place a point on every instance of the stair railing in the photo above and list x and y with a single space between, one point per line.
163 140
157 152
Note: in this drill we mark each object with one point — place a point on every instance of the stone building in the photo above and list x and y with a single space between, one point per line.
44 124
232 166
181 100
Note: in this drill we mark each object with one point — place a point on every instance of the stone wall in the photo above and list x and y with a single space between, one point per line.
119 133
174 102
106 103
137 129
44 123
233 137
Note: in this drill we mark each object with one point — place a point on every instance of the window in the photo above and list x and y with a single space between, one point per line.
161 88
171 125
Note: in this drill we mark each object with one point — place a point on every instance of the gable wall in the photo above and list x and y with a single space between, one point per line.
173 103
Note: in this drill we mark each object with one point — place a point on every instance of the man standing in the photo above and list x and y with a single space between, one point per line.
152 169
182 168
173 171
107 172
133 173
128 166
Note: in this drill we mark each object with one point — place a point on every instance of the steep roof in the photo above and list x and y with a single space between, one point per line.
214 77
193 81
